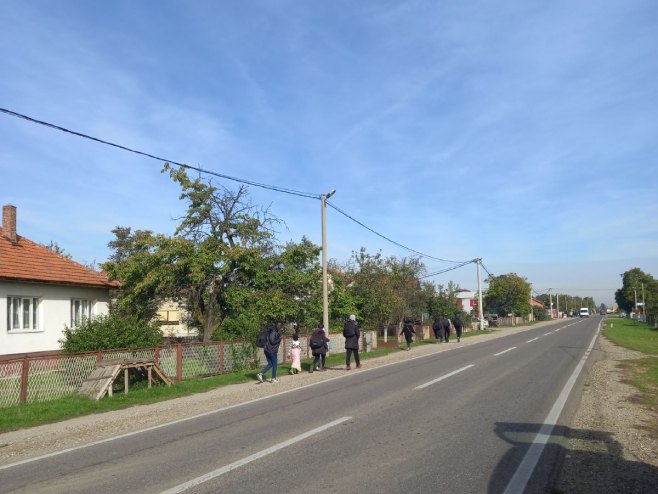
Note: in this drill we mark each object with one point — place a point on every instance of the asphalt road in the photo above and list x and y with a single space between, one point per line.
471 420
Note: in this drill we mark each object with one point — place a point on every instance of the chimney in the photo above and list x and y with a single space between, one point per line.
9 222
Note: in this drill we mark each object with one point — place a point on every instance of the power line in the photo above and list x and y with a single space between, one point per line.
183 165
451 268
391 240
227 177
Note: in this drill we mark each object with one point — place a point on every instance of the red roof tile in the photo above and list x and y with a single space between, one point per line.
28 261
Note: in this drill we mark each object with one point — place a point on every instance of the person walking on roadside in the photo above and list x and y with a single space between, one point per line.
271 350
438 329
408 331
319 347
459 326
351 333
295 354
447 325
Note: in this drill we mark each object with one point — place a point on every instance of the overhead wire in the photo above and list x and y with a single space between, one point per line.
142 153
235 179
409 249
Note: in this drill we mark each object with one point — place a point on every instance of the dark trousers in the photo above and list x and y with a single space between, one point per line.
319 357
458 330
348 357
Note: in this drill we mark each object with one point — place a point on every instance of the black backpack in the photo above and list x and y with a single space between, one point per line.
316 340
261 339
349 329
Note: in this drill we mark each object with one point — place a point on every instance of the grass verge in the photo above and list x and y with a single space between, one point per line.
642 373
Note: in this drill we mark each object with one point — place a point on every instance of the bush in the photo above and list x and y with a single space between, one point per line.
110 331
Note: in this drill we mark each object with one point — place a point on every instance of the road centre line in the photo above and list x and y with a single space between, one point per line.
520 479
504 351
237 464
450 374
534 339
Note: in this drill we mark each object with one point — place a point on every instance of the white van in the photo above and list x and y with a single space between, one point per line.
584 312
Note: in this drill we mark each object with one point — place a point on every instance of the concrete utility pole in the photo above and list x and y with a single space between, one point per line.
325 289
635 290
480 315
644 307
557 296
550 298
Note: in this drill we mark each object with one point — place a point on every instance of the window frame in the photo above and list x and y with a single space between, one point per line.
81 313
20 306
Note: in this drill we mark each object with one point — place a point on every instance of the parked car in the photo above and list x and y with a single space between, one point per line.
492 318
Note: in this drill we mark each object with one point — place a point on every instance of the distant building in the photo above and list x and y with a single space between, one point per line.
466 300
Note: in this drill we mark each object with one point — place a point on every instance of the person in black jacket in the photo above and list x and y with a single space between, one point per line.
271 350
320 352
351 333
408 331
447 325
459 326
438 329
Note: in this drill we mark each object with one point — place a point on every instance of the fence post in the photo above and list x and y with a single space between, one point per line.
156 356
179 362
25 374
221 356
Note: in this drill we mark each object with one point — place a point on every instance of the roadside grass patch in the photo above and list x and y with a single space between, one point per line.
632 334
641 373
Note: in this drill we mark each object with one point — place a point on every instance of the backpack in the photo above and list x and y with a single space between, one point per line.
261 339
316 340
349 329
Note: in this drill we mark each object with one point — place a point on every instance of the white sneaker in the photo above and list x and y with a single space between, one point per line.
274 380
259 376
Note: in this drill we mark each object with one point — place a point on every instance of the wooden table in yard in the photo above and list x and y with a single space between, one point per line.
103 376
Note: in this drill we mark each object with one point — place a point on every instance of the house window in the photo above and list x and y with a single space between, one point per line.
80 310
22 313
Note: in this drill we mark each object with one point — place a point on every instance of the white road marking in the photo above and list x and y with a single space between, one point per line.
504 351
520 479
237 464
534 339
443 377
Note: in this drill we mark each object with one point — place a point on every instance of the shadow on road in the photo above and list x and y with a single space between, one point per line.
573 461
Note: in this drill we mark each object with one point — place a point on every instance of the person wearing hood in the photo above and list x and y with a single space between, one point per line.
318 343
271 350
351 333
408 331
295 355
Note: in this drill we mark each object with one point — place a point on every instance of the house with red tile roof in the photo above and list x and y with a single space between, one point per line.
42 292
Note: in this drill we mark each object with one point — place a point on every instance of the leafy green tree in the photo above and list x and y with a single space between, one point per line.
373 290
143 263
227 238
633 281
110 331
444 301
508 293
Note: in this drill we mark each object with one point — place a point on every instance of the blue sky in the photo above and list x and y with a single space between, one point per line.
521 132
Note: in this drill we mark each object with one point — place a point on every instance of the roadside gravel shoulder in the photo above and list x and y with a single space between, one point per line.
613 443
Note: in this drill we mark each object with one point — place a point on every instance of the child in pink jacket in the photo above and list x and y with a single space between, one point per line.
295 355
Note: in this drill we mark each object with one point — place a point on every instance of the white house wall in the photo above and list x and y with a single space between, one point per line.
54 314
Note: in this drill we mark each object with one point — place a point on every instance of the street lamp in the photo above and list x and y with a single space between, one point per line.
325 290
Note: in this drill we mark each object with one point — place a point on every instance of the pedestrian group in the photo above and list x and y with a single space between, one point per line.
269 340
